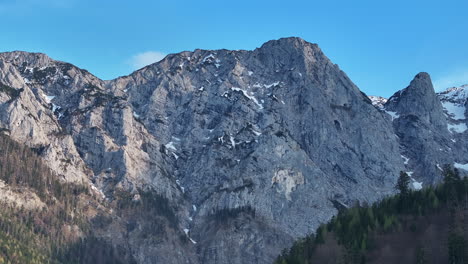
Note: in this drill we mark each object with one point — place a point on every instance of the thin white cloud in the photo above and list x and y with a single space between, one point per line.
143 59
456 78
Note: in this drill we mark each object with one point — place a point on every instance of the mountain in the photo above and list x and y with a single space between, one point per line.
432 127
224 156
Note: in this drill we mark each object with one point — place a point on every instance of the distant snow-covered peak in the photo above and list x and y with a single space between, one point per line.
378 101
455 94
453 101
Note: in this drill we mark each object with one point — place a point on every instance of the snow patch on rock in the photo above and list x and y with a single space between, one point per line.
457 128
405 159
454 110
461 166
171 146
246 94
394 115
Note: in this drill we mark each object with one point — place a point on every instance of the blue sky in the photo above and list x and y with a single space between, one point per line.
381 45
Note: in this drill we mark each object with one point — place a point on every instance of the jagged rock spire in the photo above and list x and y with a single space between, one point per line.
419 99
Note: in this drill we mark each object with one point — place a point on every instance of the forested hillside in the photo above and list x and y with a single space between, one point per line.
426 226
42 219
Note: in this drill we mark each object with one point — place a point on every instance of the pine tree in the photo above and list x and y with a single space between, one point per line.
451 176
320 238
403 183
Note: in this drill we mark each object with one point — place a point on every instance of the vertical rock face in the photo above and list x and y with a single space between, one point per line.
251 149
419 99
27 113
422 128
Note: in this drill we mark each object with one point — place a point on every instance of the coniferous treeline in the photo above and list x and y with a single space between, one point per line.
38 235
223 216
20 166
352 235
154 207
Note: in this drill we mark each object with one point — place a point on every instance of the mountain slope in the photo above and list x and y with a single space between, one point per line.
426 226
42 219
240 147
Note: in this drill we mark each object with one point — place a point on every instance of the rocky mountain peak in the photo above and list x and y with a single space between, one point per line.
455 103
455 94
291 52
289 42
422 76
426 121
39 69
418 99
279 131
28 62
31 58
421 85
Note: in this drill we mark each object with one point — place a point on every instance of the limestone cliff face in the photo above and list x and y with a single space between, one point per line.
422 125
252 148
26 111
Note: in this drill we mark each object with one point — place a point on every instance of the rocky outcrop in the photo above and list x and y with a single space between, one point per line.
419 99
246 147
423 129
19 199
